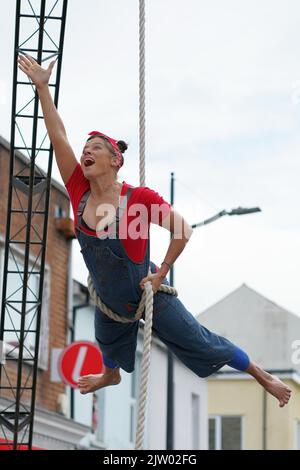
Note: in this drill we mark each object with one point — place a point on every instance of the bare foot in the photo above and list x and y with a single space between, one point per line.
279 390
91 383
271 384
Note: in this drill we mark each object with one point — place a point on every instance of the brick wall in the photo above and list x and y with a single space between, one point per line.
57 253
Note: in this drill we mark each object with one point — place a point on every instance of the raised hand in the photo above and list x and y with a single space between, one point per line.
39 76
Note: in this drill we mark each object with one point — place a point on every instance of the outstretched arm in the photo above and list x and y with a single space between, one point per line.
66 160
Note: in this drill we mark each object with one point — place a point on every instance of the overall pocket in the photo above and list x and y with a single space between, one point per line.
112 278
84 248
110 263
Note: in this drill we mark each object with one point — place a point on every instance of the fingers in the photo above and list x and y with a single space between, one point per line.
26 60
154 286
30 59
24 64
24 69
145 279
142 282
51 65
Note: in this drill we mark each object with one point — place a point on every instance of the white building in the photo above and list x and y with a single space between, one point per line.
266 331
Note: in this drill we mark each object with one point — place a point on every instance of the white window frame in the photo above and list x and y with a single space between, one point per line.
100 431
133 400
218 429
195 399
297 434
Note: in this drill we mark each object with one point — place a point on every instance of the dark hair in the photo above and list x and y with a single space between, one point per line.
122 146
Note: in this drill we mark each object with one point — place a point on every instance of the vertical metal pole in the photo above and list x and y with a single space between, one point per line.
11 169
29 217
170 386
43 255
26 258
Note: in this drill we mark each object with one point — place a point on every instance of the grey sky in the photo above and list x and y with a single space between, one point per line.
222 112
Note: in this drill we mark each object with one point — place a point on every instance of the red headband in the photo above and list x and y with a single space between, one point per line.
114 144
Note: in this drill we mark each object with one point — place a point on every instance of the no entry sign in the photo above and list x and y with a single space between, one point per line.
77 359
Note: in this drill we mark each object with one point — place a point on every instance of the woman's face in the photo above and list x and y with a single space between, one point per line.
96 158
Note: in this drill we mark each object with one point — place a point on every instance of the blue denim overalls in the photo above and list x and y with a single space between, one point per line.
116 279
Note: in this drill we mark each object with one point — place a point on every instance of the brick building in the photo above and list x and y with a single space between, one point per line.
50 417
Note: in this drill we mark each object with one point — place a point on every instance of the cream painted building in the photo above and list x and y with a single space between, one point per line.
241 414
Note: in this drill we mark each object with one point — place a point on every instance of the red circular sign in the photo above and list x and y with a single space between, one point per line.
78 359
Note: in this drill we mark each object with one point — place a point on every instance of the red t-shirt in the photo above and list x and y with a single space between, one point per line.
154 209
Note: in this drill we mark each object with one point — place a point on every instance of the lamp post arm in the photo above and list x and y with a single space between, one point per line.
211 219
238 211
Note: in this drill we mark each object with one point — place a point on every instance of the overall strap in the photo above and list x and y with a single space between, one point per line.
122 207
120 210
81 207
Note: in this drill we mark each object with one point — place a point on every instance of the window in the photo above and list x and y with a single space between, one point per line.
134 396
298 435
225 433
212 434
84 404
13 317
101 410
195 421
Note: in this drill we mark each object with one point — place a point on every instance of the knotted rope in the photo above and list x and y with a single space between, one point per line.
142 305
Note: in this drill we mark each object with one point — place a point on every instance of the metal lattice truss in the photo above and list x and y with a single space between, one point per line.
40 26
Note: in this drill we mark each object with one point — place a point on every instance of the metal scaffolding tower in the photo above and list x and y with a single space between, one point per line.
39 32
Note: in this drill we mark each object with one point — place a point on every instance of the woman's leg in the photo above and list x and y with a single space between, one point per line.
109 362
204 352
201 350
92 382
117 342
240 360
271 383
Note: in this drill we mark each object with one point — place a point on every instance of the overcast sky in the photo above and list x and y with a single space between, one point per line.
222 112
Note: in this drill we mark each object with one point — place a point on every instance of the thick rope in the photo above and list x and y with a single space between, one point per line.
145 366
140 310
142 105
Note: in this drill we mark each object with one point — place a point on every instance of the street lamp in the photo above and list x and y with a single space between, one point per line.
170 383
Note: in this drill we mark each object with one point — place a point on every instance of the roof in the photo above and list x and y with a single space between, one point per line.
268 333
244 287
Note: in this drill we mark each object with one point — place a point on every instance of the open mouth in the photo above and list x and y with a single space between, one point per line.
88 162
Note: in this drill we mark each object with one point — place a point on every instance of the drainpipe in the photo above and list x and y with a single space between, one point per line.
72 338
70 333
264 419
65 226
70 289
